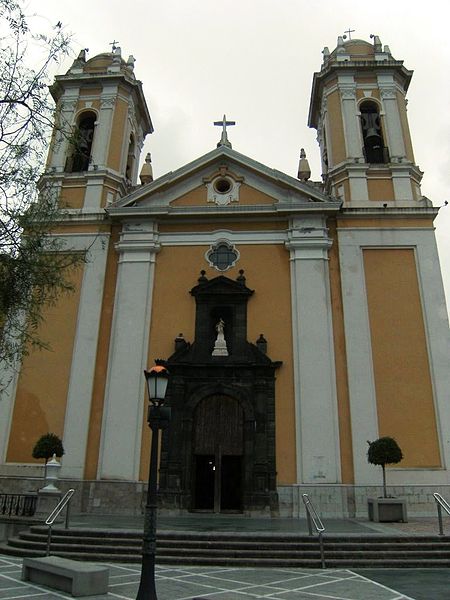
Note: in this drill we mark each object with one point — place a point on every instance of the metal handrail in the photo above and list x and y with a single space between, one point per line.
314 519
441 503
65 501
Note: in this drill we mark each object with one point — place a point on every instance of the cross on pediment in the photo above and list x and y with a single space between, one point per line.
224 124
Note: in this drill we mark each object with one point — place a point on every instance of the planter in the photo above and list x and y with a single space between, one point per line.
387 510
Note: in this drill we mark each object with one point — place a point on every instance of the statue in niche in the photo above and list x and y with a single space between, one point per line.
220 345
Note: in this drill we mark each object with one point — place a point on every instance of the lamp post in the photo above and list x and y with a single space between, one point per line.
158 417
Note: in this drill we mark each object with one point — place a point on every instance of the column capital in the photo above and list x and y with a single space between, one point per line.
138 240
308 239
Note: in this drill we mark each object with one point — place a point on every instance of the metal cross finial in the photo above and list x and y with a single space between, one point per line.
349 31
224 138
113 44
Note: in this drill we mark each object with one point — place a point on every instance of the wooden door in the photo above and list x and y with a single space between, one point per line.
218 451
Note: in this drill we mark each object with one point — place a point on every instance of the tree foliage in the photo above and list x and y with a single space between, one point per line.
48 445
384 451
33 267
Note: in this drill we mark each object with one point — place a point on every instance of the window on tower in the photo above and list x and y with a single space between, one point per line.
81 143
374 149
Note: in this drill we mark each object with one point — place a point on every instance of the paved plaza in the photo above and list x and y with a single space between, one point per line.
216 583
238 583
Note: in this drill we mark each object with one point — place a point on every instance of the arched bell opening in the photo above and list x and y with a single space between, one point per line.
374 149
81 143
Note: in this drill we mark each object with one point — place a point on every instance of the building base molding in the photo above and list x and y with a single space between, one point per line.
333 501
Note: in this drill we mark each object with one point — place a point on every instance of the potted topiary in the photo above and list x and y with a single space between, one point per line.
385 451
46 446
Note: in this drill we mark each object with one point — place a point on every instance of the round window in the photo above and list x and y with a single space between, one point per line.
222 185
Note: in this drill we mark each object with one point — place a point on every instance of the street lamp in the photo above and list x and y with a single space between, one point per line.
158 417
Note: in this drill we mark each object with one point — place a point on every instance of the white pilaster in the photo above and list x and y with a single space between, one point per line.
363 407
401 180
359 192
318 457
100 147
76 424
93 193
124 395
352 133
393 126
60 143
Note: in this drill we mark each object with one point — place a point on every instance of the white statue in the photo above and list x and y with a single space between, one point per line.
220 345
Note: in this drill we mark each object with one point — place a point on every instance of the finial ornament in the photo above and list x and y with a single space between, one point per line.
304 171
146 174
376 42
113 45
224 124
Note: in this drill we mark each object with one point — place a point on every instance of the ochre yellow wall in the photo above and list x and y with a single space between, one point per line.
400 359
381 189
340 357
386 222
42 387
73 196
269 312
91 91
231 225
247 195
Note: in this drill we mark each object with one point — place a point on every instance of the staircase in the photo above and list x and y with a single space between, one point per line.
237 549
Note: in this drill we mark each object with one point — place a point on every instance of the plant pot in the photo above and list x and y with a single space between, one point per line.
387 510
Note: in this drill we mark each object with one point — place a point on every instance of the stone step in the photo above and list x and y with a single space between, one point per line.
261 562
236 535
98 544
309 543
236 549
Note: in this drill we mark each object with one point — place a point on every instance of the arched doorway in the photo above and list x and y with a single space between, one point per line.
218 448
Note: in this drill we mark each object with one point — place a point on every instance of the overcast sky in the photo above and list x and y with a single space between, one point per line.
254 60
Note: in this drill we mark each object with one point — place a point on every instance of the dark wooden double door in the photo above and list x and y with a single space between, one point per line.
218 449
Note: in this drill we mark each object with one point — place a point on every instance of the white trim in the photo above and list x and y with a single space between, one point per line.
189 238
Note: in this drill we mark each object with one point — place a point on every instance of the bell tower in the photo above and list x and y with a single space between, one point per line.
101 122
358 106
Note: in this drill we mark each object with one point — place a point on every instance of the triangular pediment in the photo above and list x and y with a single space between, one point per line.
201 187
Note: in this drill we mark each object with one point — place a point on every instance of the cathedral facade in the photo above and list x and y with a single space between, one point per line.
298 320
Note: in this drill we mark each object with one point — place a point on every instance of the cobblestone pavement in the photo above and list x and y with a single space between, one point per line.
175 583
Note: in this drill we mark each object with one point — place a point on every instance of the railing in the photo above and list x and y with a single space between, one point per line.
65 501
18 505
314 519
441 503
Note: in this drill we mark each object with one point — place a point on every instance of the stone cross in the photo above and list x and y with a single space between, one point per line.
224 124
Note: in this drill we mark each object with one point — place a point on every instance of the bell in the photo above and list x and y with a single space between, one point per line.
373 138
